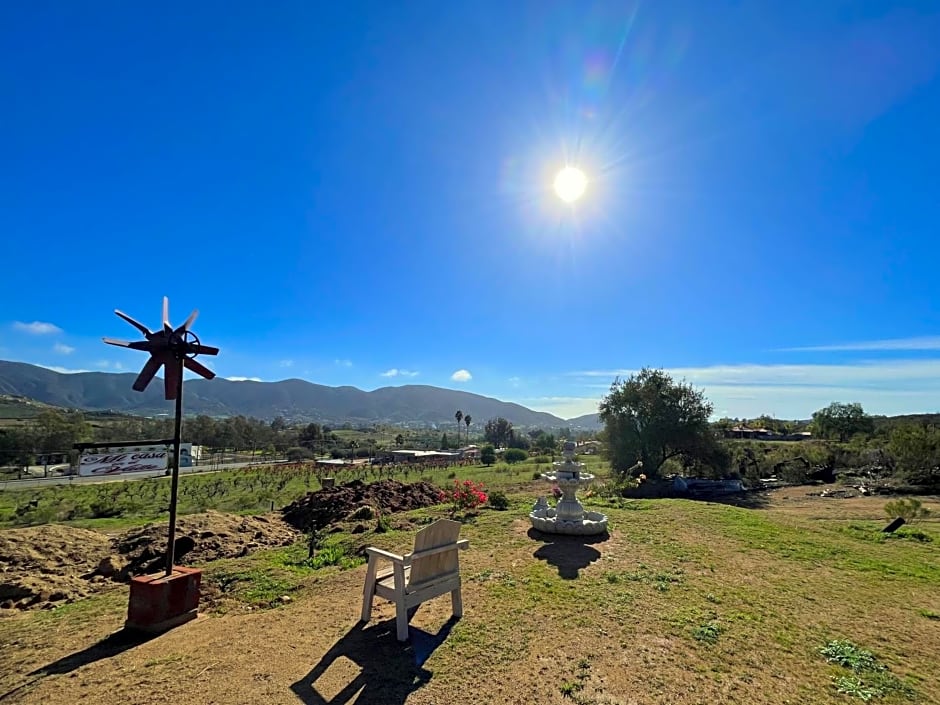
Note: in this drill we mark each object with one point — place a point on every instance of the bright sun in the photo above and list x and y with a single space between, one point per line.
570 184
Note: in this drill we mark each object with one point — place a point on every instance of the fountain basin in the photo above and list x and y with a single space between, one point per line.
548 521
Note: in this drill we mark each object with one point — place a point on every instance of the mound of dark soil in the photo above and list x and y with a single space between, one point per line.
200 538
322 508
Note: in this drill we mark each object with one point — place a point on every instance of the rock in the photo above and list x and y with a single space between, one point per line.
285 598
363 513
110 566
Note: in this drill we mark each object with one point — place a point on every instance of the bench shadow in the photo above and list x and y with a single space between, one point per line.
569 554
389 671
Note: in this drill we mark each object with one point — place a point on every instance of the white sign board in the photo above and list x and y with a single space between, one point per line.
124 459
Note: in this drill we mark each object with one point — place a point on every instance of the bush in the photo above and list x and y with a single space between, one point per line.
297 454
908 509
488 455
498 500
515 455
541 459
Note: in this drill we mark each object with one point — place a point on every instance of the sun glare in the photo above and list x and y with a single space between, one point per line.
570 184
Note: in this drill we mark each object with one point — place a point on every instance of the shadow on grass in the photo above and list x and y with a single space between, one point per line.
750 499
111 645
570 554
388 671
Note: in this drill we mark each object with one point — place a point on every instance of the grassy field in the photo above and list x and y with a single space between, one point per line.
684 602
114 504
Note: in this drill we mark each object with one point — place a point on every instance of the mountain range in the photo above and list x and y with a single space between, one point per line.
294 399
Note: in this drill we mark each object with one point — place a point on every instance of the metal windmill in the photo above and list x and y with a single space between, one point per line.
173 349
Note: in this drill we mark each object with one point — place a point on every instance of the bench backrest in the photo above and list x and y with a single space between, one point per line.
442 532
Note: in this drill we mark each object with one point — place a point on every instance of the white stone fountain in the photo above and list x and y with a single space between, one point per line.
568 516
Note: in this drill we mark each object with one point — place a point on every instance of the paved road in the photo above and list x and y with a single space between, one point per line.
76 480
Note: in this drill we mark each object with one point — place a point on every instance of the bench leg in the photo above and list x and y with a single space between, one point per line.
368 590
401 620
456 602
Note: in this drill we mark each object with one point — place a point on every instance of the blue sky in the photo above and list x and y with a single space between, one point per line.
361 193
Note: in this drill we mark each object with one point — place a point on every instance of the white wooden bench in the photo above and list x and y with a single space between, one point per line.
430 570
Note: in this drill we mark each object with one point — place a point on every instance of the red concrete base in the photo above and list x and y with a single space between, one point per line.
159 602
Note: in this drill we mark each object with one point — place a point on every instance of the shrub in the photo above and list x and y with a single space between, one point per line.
297 454
465 495
488 455
498 500
908 509
542 459
515 455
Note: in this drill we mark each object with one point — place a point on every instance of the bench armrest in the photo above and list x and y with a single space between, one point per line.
384 554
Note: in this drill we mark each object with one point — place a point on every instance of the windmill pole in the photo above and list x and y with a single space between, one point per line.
175 481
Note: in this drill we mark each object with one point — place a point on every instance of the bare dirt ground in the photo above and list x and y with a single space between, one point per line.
48 565
630 647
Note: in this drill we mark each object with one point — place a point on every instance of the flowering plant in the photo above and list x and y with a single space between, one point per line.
556 491
465 495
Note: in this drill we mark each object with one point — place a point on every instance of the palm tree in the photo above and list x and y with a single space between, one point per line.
466 420
459 417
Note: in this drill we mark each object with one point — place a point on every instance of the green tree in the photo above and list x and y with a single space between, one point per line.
515 455
444 444
399 440
498 431
842 421
652 418
466 420
459 417
488 455
916 452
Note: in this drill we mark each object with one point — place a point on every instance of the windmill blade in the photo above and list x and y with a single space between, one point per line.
171 377
136 345
188 322
147 374
166 315
198 368
139 326
204 350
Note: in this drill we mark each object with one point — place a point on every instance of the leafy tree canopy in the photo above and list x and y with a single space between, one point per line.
650 417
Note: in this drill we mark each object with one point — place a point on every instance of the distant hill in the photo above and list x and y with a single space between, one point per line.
294 399
590 422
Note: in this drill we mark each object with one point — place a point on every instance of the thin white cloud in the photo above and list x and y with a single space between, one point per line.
795 391
514 381
63 349
562 406
395 372
461 376
107 364
342 363
37 328
243 379
921 343
286 363
62 370
882 374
